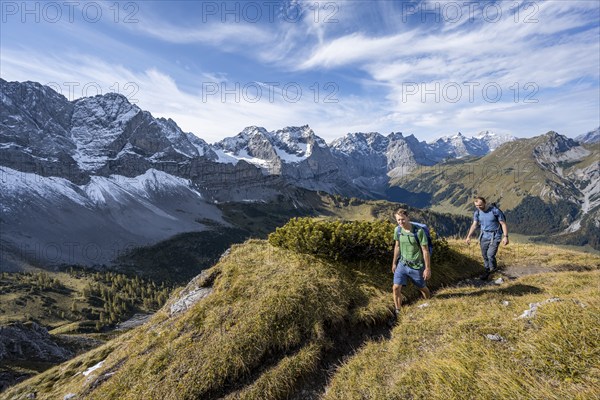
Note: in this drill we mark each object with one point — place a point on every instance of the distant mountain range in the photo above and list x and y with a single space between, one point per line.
549 184
82 180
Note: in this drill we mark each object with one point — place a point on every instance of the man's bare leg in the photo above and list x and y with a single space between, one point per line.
397 293
425 292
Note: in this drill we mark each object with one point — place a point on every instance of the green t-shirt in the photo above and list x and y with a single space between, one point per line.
409 248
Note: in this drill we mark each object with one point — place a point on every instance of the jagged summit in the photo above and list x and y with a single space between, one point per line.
591 137
292 144
554 147
360 142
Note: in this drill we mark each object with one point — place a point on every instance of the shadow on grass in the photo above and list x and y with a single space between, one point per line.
513 290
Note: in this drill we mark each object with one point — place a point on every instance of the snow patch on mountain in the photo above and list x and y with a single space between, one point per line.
201 146
266 149
225 158
17 184
100 189
259 162
284 156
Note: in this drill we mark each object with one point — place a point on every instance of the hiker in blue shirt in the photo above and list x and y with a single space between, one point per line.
411 258
493 231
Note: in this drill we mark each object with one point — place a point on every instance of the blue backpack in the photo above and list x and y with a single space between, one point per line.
415 228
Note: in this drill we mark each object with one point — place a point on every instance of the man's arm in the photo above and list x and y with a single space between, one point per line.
427 260
471 230
396 254
505 232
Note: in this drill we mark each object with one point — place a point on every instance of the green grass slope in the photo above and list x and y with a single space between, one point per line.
541 195
77 300
277 322
77 307
470 343
273 317
507 175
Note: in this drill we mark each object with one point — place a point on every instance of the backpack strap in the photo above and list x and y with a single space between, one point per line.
495 211
415 230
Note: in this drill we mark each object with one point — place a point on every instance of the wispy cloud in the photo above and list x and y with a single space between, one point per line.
232 36
535 47
394 65
221 110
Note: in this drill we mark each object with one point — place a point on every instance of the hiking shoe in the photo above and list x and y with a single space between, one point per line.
391 322
394 318
485 276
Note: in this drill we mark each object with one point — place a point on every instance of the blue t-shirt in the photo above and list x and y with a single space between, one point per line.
489 220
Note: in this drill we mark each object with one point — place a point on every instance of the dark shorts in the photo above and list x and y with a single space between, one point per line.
403 271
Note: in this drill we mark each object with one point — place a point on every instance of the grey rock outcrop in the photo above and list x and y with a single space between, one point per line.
30 342
196 290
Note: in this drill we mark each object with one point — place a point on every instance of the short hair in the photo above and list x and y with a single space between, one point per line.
401 211
480 198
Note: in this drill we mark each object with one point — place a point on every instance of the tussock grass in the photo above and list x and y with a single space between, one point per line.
274 316
525 258
442 351
269 311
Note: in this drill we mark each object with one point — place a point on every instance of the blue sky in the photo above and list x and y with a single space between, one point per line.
428 68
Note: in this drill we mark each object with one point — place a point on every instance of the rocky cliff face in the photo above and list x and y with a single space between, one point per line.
30 345
42 132
27 342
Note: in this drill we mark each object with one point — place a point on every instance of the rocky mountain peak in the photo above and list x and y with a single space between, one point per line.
360 143
30 92
298 134
396 136
589 138
42 131
251 142
554 147
557 141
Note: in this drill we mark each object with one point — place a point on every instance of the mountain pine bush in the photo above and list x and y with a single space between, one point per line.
345 240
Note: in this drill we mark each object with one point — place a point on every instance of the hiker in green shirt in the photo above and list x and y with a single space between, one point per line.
411 258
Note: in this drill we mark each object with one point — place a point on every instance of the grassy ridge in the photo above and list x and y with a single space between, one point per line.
274 316
507 175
